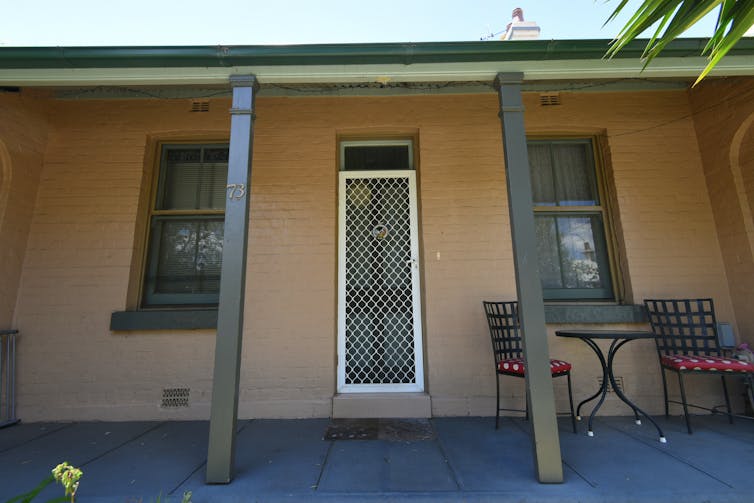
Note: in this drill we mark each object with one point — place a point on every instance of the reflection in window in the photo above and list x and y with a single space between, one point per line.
569 220
186 227
190 256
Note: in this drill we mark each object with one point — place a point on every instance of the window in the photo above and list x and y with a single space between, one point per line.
376 155
569 215
186 223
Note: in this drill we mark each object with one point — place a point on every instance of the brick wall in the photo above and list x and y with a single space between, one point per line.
81 246
723 116
23 132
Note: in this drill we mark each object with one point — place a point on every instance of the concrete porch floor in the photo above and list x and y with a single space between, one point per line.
288 460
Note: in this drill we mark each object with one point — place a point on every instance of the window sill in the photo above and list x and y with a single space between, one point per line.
594 313
174 319
195 319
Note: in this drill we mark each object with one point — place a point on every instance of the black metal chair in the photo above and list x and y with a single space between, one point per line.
687 343
502 319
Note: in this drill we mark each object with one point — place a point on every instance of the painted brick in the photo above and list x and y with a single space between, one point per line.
77 265
723 116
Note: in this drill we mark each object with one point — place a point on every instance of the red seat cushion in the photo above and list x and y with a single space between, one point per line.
702 363
516 366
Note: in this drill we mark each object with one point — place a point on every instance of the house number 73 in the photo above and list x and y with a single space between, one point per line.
236 191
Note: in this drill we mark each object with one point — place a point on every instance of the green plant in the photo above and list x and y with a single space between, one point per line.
68 476
673 17
64 473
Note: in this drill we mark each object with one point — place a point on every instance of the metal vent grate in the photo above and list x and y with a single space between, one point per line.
175 397
379 299
200 106
549 99
618 381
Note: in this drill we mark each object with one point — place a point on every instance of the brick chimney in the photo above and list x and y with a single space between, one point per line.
518 29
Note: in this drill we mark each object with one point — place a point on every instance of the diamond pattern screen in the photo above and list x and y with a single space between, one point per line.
379 300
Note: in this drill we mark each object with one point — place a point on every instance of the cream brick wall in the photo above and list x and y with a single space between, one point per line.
724 119
671 243
77 271
82 238
670 238
23 132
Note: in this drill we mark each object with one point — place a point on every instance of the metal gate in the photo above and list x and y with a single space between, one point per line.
8 377
379 322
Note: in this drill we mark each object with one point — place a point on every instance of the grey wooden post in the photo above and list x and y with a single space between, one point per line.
222 426
528 287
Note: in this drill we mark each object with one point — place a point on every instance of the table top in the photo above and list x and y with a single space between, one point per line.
585 333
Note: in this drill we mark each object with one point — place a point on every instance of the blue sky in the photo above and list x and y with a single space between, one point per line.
248 22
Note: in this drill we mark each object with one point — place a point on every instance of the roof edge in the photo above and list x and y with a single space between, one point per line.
337 54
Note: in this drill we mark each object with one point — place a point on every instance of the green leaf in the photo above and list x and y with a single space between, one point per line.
27 497
740 26
672 18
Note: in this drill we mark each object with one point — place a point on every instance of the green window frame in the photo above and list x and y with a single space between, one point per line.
571 220
186 222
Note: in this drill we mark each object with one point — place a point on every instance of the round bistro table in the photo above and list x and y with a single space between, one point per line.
618 338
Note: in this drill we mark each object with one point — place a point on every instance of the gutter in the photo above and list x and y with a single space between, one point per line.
333 63
335 54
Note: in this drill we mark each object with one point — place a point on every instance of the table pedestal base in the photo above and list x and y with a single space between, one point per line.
618 340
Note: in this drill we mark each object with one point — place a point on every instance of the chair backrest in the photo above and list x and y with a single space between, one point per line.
502 319
684 326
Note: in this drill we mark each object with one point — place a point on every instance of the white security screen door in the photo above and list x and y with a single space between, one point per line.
379 319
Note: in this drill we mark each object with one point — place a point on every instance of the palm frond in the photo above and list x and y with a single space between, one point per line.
672 18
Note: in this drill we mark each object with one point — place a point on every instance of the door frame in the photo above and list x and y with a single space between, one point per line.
418 386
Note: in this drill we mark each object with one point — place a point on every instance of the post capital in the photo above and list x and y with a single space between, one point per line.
244 81
504 78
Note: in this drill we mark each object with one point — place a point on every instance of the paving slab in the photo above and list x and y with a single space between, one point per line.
22 433
364 466
78 443
614 462
153 464
716 448
500 461
273 457
465 460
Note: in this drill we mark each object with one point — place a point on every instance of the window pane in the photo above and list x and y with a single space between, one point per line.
189 255
562 174
547 250
542 182
193 179
571 252
575 175
376 157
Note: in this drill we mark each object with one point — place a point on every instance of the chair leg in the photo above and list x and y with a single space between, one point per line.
665 392
727 400
570 402
497 402
683 401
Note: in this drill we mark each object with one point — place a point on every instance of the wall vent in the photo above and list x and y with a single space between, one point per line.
618 381
549 99
200 106
175 397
